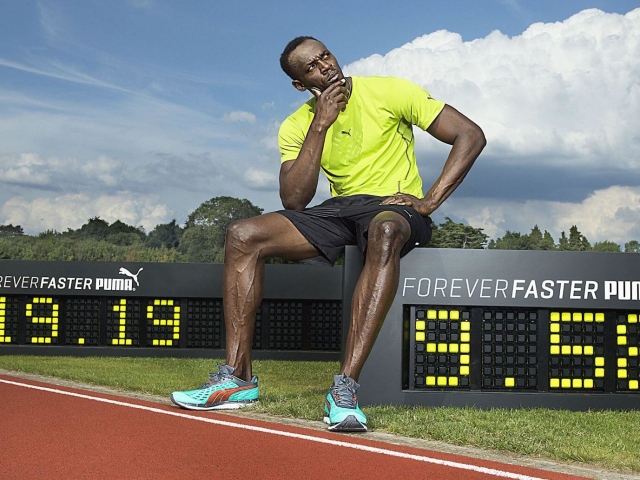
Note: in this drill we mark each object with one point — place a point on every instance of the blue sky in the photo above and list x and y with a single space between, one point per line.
140 110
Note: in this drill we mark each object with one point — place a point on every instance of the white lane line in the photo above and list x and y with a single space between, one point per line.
382 451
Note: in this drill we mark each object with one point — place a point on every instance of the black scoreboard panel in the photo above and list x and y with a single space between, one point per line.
106 308
508 329
162 323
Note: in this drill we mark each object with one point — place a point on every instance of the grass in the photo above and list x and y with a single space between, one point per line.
607 439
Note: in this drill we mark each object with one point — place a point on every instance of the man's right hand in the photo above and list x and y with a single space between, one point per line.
330 103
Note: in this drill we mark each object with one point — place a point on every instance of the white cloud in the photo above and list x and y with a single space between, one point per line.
23 169
561 96
560 93
607 214
240 116
488 219
74 210
104 169
261 179
53 173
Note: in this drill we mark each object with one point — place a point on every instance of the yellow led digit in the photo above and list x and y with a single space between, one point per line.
4 338
165 313
442 343
576 348
122 314
42 311
627 343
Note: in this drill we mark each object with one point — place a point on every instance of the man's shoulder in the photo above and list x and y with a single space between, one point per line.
380 80
302 115
307 108
385 86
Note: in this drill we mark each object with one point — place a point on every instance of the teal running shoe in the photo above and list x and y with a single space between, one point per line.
341 409
223 391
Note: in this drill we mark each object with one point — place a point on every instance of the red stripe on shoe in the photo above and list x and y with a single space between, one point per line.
222 396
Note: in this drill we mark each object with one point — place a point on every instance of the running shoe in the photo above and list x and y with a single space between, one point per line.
341 409
223 391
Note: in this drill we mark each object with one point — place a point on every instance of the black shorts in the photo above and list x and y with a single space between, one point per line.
342 221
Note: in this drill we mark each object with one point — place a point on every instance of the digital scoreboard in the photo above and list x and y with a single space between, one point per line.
484 328
160 309
490 328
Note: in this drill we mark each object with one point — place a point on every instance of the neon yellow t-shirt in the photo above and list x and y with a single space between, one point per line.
370 147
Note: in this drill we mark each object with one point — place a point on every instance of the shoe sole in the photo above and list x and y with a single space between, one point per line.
219 406
349 424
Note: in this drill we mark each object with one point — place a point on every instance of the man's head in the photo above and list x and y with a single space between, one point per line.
310 64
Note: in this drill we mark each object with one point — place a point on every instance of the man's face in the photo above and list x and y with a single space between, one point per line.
314 66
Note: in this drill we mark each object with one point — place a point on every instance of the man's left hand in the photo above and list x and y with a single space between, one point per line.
422 206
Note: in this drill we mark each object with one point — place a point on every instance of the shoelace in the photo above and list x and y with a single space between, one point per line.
214 377
344 394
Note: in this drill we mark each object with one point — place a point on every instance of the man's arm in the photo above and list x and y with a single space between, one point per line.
299 177
467 141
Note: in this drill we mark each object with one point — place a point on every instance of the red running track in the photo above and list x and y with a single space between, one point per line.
63 433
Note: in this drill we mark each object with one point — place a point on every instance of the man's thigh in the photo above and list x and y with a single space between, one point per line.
324 229
275 236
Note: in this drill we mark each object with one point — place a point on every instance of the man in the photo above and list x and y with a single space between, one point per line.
358 130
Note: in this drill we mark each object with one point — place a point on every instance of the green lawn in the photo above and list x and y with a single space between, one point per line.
608 439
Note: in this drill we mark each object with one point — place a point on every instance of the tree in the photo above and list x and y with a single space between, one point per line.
165 235
606 246
510 241
118 233
9 231
547 242
220 212
119 227
563 242
576 241
535 240
632 247
540 241
204 233
457 235
534 237
94 228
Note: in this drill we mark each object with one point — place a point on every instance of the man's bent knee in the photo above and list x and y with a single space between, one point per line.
243 236
389 230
